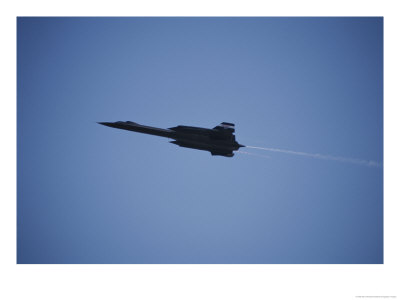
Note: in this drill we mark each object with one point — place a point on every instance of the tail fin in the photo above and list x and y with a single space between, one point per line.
226 126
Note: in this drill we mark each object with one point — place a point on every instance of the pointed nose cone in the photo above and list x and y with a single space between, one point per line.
240 145
104 123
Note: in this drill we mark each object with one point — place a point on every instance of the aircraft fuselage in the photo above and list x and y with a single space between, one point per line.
219 140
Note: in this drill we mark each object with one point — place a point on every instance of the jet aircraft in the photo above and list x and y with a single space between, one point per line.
219 141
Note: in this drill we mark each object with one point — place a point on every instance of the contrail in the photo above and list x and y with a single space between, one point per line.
252 154
367 163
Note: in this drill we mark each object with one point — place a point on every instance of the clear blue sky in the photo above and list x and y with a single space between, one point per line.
91 194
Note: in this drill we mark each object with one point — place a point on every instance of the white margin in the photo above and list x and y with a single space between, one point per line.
197 281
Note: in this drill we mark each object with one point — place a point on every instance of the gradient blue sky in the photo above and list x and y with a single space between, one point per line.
91 194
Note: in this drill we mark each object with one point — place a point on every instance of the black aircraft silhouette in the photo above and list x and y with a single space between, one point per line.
219 141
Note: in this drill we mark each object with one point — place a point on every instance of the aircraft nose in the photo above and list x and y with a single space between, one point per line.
240 145
109 124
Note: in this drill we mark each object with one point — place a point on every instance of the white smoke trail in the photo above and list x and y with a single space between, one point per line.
252 154
368 163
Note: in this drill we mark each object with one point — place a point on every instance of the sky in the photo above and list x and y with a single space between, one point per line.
92 194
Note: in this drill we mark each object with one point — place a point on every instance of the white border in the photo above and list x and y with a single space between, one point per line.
197 281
